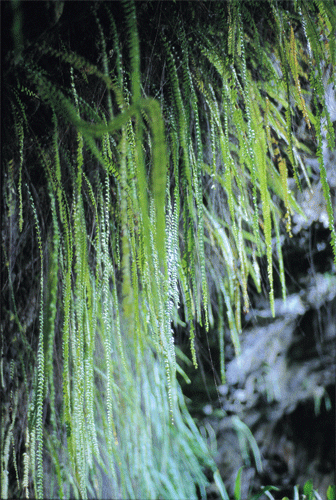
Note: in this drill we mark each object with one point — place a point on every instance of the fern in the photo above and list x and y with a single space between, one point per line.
40 372
326 189
158 212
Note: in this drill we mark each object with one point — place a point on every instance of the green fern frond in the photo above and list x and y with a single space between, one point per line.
326 189
133 45
40 369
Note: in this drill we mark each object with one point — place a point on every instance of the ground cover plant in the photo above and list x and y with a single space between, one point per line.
145 191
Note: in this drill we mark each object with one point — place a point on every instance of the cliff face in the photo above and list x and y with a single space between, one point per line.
282 386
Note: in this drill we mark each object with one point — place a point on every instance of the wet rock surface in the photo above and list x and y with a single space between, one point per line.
282 388
275 415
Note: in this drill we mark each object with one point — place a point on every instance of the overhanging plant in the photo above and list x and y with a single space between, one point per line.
159 211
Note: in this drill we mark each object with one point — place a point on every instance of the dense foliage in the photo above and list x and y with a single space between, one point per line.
145 192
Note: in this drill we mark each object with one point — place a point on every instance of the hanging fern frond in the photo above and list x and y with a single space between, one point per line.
40 369
152 215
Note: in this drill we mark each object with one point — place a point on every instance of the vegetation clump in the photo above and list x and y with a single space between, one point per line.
145 191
